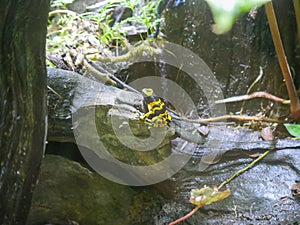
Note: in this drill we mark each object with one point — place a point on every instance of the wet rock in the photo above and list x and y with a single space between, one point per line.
80 6
261 195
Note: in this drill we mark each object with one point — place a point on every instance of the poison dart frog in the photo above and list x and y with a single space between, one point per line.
157 114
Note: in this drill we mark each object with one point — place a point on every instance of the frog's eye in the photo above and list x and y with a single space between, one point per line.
147 91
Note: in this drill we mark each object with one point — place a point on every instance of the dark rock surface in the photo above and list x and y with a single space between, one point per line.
236 57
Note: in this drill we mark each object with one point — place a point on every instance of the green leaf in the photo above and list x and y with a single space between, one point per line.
293 129
207 195
225 12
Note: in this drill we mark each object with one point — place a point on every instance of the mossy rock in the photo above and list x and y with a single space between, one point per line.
68 191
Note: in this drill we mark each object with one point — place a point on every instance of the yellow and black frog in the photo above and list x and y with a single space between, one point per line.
157 114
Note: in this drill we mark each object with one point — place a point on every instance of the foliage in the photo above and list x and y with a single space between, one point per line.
293 129
141 16
70 28
63 30
226 12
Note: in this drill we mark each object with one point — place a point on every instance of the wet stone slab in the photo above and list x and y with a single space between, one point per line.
261 195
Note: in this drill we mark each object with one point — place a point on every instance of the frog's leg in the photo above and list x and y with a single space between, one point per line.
159 122
146 115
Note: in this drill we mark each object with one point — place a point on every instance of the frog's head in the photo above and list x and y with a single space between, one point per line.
147 91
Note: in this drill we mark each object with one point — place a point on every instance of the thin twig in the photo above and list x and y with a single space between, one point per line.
51 89
96 73
261 72
244 169
229 117
120 83
259 94
186 216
